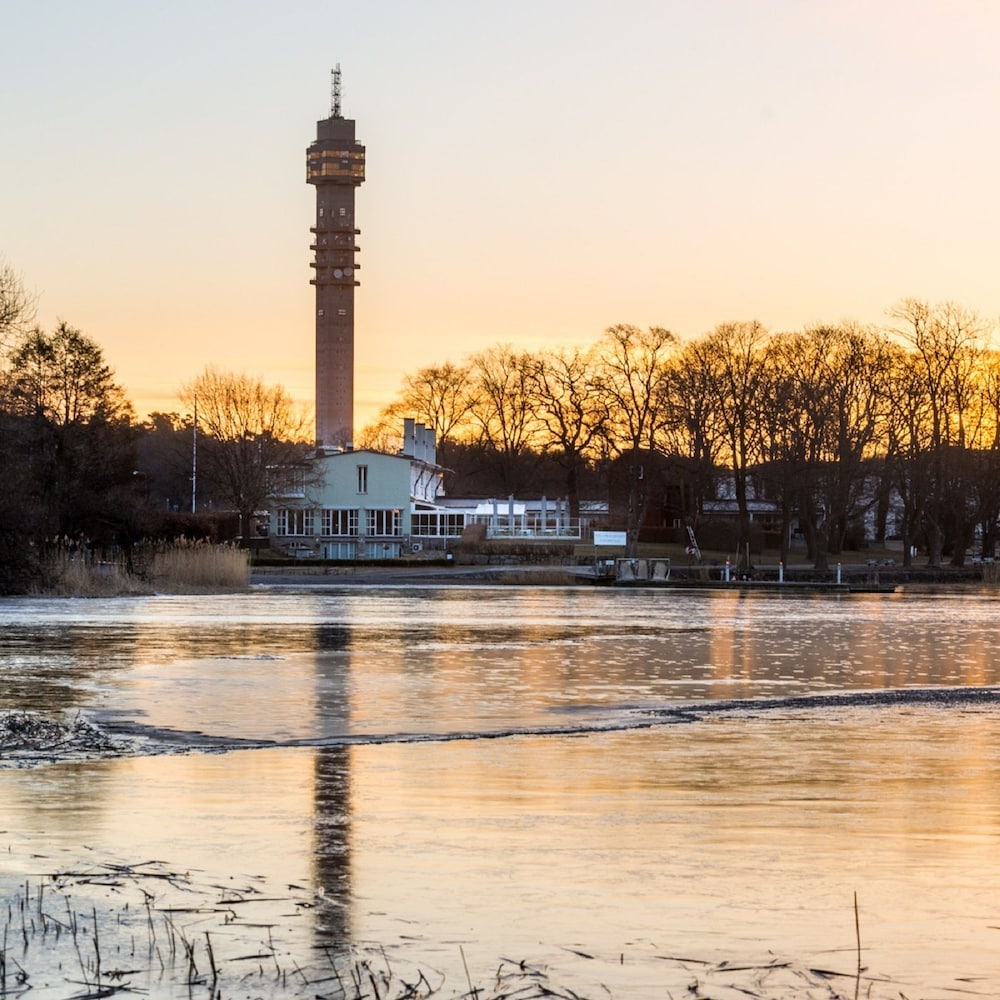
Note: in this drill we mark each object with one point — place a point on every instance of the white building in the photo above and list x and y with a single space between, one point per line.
371 505
358 504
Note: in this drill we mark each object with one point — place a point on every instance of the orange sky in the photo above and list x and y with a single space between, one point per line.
536 172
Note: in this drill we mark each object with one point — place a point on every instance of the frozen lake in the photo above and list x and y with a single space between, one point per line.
572 778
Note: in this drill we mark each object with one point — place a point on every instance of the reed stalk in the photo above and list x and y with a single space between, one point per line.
70 569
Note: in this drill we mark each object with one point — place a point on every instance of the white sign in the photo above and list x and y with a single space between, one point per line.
619 538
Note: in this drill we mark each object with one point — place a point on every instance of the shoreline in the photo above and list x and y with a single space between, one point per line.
854 578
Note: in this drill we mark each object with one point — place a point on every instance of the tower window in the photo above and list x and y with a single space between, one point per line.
319 312
322 212
341 312
343 212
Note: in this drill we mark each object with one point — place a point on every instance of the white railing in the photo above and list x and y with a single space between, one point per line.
503 531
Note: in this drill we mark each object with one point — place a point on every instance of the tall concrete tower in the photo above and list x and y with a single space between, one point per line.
335 163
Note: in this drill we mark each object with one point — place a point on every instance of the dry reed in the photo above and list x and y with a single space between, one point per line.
186 566
71 570
93 926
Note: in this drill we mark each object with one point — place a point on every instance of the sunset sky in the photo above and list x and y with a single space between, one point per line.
537 171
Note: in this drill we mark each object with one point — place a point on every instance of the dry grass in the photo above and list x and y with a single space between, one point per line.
71 570
95 930
199 566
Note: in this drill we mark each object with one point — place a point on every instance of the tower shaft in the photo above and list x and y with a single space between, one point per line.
335 164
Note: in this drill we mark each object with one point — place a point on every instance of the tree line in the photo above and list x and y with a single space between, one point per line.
833 424
79 468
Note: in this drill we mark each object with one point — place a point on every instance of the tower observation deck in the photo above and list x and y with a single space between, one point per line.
335 163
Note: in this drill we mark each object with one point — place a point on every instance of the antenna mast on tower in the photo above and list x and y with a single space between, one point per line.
335 93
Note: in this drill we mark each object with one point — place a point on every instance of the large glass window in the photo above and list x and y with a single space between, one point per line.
385 522
336 163
339 521
430 525
295 521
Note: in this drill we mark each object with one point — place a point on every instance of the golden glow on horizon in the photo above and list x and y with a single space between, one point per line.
742 162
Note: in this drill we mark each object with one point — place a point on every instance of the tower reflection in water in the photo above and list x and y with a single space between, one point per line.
332 788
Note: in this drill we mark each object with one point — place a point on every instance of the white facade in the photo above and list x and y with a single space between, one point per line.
370 505
357 504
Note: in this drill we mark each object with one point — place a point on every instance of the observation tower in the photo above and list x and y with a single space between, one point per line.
335 164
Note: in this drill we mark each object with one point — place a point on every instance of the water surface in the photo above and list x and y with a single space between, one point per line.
535 773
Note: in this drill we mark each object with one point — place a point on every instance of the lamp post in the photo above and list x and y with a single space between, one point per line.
194 459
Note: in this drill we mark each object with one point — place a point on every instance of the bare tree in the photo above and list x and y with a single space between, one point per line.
988 480
441 397
17 305
858 381
945 345
731 364
909 456
251 435
503 413
567 406
631 383
826 414
794 425
385 432
692 429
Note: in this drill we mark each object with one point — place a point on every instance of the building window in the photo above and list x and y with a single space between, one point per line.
286 480
319 312
341 312
438 525
385 522
339 521
343 212
362 478
295 521
322 212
